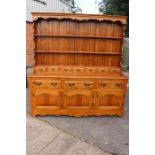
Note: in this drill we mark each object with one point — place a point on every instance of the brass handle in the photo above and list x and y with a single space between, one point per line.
54 84
40 69
118 84
53 69
78 70
87 84
90 70
71 84
103 84
103 70
66 69
38 83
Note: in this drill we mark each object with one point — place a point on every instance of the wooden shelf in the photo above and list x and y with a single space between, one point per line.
76 36
78 52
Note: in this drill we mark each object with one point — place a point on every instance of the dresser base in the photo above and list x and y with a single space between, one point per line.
77 93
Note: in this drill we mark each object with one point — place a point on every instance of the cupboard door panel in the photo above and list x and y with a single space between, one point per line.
109 98
78 98
46 98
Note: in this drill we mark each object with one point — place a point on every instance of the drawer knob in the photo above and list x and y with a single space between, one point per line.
87 84
38 83
103 84
54 84
118 84
71 84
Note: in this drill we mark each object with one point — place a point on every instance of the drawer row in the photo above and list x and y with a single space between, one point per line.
75 84
66 69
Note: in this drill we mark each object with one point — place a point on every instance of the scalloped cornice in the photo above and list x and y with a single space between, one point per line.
78 17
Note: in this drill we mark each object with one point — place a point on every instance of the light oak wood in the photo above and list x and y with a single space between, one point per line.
77 65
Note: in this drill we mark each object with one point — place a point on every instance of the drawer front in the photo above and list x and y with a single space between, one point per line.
86 85
115 70
118 84
111 84
90 70
104 84
79 84
65 69
40 69
53 69
103 70
52 84
78 69
71 84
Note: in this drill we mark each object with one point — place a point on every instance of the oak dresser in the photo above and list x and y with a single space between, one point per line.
77 65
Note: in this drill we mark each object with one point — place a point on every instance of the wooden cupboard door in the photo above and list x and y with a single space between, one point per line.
78 99
109 98
47 97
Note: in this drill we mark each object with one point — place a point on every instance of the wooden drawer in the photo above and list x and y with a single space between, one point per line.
104 84
118 84
65 69
39 69
78 69
90 70
103 70
111 84
53 69
115 70
53 84
79 84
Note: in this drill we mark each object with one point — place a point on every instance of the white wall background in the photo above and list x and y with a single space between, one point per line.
51 6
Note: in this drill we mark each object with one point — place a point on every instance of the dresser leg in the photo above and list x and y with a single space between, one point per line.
121 114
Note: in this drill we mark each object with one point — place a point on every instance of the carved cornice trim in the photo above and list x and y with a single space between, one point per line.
78 17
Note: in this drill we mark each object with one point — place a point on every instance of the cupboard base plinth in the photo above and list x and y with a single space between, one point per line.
79 112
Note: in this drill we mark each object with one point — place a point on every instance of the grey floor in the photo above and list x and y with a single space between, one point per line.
107 133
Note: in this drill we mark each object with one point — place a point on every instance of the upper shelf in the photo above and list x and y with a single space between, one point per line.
76 36
77 52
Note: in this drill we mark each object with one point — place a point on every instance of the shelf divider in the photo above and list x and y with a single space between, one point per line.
76 36
78 52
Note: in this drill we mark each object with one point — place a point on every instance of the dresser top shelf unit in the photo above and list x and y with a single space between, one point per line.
78 39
